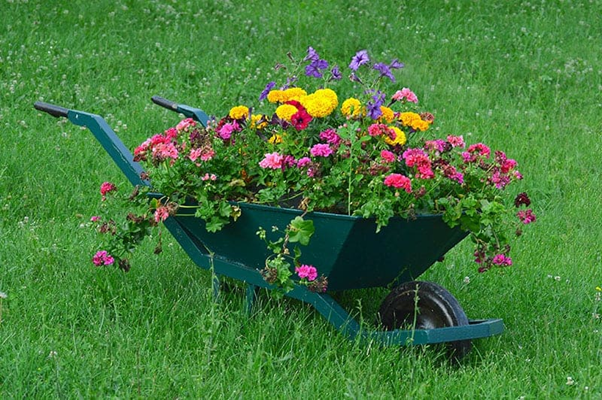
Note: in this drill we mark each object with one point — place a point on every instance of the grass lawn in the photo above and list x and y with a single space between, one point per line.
522 76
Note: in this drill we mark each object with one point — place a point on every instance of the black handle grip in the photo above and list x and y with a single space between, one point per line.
55 111
165 103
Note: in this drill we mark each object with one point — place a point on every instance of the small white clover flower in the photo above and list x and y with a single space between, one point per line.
466 280
569 381
3 295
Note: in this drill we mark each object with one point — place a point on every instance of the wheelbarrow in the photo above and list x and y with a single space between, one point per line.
347 248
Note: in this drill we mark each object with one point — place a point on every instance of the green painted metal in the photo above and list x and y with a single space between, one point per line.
323 303
345 248
109 140
187 111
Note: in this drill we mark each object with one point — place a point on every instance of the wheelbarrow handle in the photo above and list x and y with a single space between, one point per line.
163 102
104 134
190 112
55 111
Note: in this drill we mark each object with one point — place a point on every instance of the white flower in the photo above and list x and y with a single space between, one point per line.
569 381
3 295
467 280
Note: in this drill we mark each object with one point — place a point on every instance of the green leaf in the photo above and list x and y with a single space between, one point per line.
300 230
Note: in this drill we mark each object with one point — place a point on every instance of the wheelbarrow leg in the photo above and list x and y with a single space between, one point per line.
251 296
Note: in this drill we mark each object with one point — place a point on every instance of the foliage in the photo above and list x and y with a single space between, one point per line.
370 154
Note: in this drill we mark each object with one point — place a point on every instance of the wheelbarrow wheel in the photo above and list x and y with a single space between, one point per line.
425 305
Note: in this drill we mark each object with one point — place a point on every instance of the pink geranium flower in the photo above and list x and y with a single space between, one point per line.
157 139
102 258
388 156
330 136
303 162
508 165
171 133
456 141
502 260
225 132
399 181
106 188
526 216
307 271
163 151
407 94
419 159
476 151
272 160
140 151
185 123
414 156
378 129
209 177
161 214
194 154
321 150
436 145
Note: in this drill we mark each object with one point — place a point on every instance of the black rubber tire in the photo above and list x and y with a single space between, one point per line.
437 308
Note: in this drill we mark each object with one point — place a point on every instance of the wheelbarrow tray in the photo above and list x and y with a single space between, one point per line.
346 249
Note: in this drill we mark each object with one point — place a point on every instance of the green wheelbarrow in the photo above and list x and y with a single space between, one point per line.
350 253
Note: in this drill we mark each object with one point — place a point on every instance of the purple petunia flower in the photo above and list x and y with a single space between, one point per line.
360 58
374 105
264 93
315 67
384 71
335 73
312 55
395 64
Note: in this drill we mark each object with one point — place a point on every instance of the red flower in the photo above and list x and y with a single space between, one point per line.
300 119
106 188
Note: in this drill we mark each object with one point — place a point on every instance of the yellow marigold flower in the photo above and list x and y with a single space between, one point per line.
420 125
387 114
286 111
255 124
321 103
275 139
352 107
408 118
275 96
329 93
293 93
239 112
400 137
414 121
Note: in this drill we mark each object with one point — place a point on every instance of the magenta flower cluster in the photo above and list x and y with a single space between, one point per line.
526 216
308 272
102 258
106 188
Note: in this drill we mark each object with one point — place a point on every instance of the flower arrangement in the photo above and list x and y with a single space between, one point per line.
369 154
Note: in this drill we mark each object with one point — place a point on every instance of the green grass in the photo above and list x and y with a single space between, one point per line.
522 76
